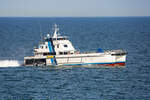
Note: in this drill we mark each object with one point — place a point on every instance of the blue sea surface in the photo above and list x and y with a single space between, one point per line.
18 37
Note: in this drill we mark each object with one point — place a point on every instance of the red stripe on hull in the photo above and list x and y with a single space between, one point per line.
113 65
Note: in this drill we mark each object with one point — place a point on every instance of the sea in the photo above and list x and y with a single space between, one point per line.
19 35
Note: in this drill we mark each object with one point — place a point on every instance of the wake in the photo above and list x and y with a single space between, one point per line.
10 63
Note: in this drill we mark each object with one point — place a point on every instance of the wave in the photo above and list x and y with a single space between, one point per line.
10 63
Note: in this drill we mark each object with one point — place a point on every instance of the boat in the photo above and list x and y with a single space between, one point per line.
57 50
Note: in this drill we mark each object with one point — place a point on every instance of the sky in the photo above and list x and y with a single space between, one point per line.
74 8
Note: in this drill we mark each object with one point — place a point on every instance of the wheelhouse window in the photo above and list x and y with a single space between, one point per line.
54 38
49 53
62 38
65 45
65 53
58 46
61 53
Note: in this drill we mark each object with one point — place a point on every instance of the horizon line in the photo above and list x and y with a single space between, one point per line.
65 16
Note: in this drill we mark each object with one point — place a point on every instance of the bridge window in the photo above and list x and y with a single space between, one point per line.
50 53
65 53
61 53
65 45
58 46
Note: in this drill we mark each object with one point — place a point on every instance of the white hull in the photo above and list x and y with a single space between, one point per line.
78 59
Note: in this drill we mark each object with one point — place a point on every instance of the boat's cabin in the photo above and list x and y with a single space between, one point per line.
56 45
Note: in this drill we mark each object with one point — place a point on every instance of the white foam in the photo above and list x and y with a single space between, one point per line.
9 63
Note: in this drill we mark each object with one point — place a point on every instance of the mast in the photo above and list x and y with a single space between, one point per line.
56 29
40 32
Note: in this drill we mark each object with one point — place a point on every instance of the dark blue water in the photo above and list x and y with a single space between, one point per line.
18 36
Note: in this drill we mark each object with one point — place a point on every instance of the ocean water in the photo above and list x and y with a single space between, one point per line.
18 36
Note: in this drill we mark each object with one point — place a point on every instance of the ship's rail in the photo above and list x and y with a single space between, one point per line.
117 52
106 51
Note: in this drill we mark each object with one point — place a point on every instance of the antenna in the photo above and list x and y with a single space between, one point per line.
49 31
40 32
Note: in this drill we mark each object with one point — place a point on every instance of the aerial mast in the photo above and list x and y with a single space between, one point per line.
56 29
40 32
